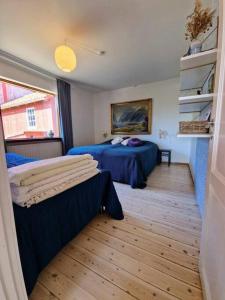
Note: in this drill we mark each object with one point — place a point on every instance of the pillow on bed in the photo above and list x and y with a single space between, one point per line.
14 159
135 142
116 140
125 142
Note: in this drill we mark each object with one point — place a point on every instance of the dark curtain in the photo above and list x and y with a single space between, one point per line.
64 98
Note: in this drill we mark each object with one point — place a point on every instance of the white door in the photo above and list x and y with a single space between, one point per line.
212 257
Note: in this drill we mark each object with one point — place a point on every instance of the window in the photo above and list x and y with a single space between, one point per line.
27 112
31 119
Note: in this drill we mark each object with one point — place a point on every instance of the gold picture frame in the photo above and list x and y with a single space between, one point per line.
132 117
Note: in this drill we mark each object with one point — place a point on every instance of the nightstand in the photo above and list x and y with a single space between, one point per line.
165 153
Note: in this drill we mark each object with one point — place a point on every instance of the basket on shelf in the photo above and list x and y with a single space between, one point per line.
190 127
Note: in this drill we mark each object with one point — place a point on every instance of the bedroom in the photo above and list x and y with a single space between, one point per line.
134 213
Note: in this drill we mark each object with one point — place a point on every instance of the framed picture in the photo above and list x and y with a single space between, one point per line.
133 117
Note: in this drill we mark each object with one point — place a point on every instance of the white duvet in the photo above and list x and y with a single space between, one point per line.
31 184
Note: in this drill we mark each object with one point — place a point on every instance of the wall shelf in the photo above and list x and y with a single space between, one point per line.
196 98
194 135
198 60
194 103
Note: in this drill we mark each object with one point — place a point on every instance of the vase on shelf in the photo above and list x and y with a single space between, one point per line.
196 47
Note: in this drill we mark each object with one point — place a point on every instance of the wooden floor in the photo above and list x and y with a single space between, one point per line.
151 254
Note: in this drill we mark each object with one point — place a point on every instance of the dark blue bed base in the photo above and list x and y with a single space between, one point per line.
130 165
43 229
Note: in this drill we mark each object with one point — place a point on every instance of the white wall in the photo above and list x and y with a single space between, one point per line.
81 100
82 107
165 114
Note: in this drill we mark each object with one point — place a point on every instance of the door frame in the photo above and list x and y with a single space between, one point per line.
12 286
213 145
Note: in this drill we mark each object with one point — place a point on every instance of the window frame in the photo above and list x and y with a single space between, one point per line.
35 89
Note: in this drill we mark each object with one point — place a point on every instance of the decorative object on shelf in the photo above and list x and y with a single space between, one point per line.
196 46
190 127
163 134
206 113
133 117
198 23
211 83
65 58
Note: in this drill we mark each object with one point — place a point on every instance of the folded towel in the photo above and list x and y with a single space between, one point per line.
47 191
57 171
25 174
27 190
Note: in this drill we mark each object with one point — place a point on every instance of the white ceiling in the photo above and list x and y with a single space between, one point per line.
143 39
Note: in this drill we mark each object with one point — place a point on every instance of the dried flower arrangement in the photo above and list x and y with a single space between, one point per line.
199 21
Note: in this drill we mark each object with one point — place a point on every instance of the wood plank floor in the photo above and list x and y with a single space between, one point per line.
152 254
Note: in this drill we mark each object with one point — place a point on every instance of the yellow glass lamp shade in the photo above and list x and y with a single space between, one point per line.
65 58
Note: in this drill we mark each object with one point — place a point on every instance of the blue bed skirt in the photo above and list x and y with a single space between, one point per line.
44 229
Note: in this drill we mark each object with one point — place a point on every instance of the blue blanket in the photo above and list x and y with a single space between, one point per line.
45 228
129 165
14 159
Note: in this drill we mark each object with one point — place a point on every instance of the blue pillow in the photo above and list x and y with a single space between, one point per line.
14 159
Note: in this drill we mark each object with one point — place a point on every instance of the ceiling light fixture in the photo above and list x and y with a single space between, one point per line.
65 58
91 50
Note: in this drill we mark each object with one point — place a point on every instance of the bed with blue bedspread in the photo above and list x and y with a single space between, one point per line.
130 165
45 228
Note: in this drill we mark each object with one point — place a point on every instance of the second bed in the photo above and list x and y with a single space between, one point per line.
130 165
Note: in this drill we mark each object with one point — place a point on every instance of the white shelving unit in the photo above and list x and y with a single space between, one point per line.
198 60
194 103
197 135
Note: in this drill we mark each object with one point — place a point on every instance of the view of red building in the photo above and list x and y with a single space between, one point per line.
26 113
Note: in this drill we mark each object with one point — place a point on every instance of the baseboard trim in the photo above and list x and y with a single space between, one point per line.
175 163
205 284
